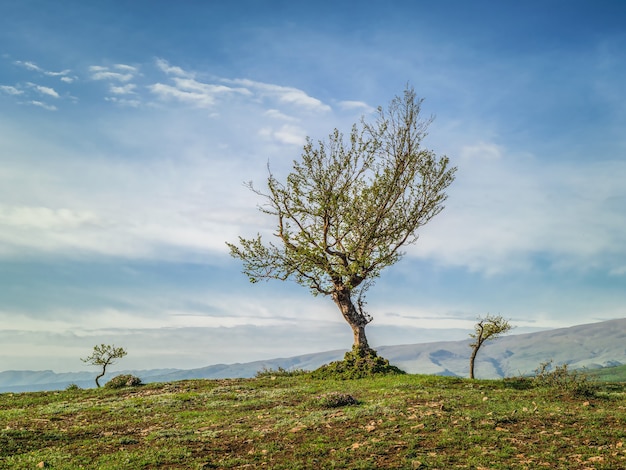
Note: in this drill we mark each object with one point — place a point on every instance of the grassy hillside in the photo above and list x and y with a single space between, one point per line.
404 421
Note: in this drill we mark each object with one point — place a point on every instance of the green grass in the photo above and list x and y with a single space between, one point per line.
296 422
609 374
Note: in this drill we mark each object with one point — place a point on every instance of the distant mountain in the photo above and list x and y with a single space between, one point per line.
34 381
592 346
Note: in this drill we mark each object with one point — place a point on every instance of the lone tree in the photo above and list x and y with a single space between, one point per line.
487 328
348 207
104 355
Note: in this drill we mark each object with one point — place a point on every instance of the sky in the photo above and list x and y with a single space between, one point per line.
128 130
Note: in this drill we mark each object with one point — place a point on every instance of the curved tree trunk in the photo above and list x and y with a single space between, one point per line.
355 319
472 359
104 369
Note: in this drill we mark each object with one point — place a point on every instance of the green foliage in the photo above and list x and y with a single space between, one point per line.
104 355
335 400
280 372
562 379
357 364
350 204
488 328
124 380
72 387
348 207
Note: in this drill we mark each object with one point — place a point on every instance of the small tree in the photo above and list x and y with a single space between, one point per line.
487 328
104 355
347 209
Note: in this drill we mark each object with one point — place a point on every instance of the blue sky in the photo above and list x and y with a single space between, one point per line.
127 130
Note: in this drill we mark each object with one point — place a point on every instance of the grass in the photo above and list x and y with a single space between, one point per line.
297 422
609 374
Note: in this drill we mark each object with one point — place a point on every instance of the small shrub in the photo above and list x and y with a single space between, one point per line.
280 372
358 363
72 388
335 400
563 379
125 380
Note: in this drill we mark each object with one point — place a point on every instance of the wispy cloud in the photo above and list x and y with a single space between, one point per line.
44 90
191 91
10 90
505 212
99 72
126 68
123 90
123 101
356 105
285 95
276 114
43 105
286 134
164 66
29 65
35 68
44 218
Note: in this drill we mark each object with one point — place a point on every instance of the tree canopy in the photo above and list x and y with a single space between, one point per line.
348 207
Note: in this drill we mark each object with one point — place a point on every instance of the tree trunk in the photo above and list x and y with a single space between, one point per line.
104 369
355 319
472 358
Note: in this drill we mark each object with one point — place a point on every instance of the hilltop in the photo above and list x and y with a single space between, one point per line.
287 422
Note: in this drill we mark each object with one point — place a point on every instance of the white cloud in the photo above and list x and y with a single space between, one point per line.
193 92
10 90
123 101
106 75
62 73
123 90
481 150
44 218
286 95
503 212
167 92
43 105
189 84
35 68
68 79
99 72
126 68
351 105
286 134
29 66
164 66
276 114
44 90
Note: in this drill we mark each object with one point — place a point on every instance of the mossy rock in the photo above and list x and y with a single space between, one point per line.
357 364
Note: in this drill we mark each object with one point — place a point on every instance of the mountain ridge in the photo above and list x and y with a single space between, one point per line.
591 345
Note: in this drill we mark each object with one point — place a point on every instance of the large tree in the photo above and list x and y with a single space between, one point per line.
348 207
